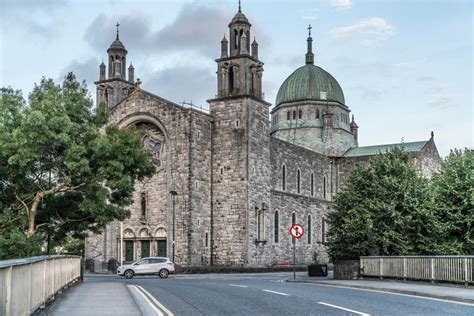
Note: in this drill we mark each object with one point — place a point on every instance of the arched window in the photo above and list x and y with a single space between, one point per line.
288 115
300 114
298 181
317 113
143 204
260 225
236 39
294 115
308 229
293 218
312 184
323 230
283 178
324 187
276 227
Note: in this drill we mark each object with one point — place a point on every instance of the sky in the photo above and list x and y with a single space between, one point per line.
405 66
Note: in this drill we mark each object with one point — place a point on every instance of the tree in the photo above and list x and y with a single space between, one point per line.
382 210
453 203
61 166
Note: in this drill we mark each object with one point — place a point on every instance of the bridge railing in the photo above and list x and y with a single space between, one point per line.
432 268
27 284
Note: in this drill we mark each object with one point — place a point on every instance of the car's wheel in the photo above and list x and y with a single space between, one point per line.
128 274
163 273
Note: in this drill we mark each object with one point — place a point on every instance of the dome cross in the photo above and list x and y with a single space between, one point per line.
117 25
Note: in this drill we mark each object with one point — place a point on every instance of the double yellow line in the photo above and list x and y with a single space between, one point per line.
159 309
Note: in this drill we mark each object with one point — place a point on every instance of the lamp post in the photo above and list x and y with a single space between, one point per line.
173 194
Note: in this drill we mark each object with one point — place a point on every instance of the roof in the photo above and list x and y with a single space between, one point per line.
117 44
240 17
373 150
307 83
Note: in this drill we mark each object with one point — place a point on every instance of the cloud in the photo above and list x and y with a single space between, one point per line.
425 79
196 28
33 17
180 84
87 70
311 14
341 5
370 30
441 101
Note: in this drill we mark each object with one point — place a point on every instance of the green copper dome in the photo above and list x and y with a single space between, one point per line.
307 83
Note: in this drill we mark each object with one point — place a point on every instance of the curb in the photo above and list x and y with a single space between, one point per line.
449 298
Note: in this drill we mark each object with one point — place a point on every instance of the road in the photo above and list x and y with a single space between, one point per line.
268 294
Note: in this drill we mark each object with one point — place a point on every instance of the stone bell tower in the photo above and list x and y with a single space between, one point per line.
239 69
115 87
241 150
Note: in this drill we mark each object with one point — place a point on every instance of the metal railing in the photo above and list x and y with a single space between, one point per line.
432 268
27 284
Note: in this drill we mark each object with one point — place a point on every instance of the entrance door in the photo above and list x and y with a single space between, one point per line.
129 250
162 248
145 248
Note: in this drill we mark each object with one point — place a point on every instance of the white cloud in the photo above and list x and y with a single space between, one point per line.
341 5
311 15
370 30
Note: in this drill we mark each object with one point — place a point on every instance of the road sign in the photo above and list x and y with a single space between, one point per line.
297 231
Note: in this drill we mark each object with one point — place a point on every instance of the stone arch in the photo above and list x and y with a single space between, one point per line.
128 232
160 232
138 117
144 232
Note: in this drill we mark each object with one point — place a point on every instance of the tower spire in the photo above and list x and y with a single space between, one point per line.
240 9
117 30
309 53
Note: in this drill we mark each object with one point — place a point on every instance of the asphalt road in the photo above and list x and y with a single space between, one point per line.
268 294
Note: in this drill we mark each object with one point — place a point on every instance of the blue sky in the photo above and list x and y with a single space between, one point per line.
405 66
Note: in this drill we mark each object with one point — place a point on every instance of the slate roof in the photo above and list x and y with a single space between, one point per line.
373 150
307 83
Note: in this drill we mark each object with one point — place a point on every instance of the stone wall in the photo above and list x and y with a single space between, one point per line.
428 160
346 269
259 177
303 203
229 181
182 148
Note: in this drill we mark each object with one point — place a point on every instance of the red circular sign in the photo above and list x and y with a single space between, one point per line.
297 231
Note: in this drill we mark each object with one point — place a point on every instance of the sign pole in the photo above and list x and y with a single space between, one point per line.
294 258
296 231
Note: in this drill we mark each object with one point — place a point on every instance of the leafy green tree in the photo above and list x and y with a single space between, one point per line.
382 210
453 202
61 167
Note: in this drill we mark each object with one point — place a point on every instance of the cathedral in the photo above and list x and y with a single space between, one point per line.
231 181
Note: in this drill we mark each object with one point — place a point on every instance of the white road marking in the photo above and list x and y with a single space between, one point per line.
157 311
167 311
344 309
238 285
400 294
276 292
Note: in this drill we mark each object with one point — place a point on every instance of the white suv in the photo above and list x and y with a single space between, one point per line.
152 265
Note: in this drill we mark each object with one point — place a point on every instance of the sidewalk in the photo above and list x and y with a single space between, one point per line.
101 298
448 292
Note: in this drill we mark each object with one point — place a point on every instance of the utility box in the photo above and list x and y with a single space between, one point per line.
97 266
318 270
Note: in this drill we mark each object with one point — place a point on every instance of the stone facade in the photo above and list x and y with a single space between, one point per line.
229 184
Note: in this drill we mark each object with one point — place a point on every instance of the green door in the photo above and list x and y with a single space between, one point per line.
145 248
129 250
161 248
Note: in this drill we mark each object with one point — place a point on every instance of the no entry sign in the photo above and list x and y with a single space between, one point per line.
297 231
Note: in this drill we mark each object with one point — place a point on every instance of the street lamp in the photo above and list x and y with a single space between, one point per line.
173 193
